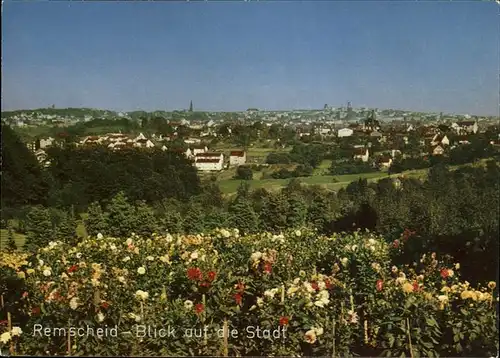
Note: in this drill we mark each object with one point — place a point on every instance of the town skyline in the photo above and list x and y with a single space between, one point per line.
412 57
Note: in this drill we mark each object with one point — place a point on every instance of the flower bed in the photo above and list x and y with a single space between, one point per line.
292 294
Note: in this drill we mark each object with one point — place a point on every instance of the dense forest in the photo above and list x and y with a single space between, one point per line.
454 212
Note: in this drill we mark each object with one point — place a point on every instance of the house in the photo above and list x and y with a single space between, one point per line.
209 161
197 149
384 161
464 127
237 157
361 153
395 152
41 156
438 150
463 139
143 143
44 143
440 139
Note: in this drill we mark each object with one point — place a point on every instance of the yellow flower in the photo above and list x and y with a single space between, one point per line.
407 287
492 285
5 337
445 289
30 271
141 270
466 294
21 274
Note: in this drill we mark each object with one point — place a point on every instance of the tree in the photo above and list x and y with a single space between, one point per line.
145 220
66 229
192 222
242 216
11 244
120 216
22 180
297 213
244 173
273 216
191 106
172 222
39 228
95 222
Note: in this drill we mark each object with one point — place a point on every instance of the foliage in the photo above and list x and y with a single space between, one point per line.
244 172
336 295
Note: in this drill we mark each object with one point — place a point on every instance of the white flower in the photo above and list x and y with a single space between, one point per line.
64 276
141 270
99 236
318 330
354 247
394 269
344 261
126 258
298 233
40 263
112 247
194 255
310 336
78 255
457 266
47 272
5 337
164 258
321 285
188 304
271 293
100 317
302 273
260 301
129 241
141 295
73 303
450 273
121 279
150 258
372 241
296 281
292 290
309 287
16 331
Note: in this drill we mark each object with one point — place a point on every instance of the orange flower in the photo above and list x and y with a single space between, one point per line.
199 308
284 321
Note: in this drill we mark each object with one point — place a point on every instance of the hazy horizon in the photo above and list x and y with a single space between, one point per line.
231 56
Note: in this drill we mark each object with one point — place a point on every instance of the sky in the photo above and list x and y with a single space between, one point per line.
234 55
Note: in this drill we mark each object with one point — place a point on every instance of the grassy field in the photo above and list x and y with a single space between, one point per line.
20 239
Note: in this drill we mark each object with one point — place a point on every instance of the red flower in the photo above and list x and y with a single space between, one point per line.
268 268
395 244
205 284
415 286
315 286
4 322
444 273
238 298
105 305
328 284
35 310
73 268
284 321
240 287
25 294
380 285
199 308
194 274
211 275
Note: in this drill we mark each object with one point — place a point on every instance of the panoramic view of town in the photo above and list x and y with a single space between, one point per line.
210 179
